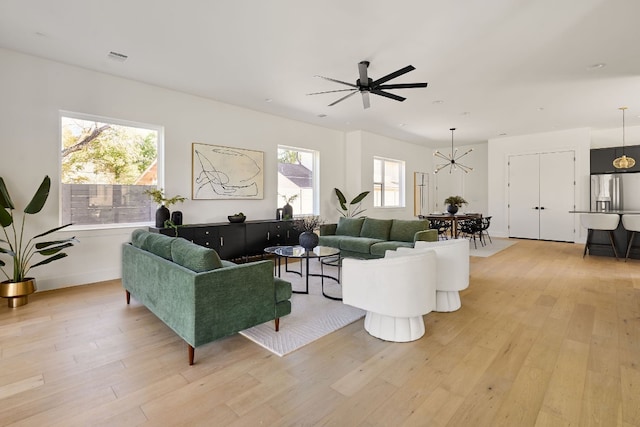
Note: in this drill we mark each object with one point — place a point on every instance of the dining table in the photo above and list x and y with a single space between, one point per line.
453 219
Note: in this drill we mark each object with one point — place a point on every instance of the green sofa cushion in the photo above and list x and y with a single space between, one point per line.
357 244
376 228
158 244
332 241
138 237
194 257
349 226
379 249
405 230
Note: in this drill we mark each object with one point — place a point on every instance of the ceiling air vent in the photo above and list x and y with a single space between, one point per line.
120 57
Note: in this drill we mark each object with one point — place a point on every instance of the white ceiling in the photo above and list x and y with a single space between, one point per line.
494 66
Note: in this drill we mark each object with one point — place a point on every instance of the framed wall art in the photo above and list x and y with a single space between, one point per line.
420 193
220 172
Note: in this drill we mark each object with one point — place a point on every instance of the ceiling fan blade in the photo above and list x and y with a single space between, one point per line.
402 86
362 69
388 95
343 98
393 75
365 99
338 81
331 91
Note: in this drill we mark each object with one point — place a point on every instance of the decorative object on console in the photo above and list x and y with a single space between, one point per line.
287 209
347 211
18 287
237 218
453 203
308 238
162 213
623 162
176 217
452 159
226 173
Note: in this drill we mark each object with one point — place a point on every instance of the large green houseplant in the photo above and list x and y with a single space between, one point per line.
353 208
22 249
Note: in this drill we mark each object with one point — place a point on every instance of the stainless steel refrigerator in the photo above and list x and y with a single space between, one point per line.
615 191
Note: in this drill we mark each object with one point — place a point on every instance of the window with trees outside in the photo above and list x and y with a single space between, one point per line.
106 167
298 180
388 182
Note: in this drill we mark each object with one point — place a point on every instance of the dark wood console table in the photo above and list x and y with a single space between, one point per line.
237 240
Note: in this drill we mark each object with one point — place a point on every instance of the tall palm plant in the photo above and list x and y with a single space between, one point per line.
14 243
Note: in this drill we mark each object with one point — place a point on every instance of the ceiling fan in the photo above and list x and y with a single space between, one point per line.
365 85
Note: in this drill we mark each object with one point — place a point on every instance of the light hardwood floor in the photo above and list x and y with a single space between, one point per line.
544 337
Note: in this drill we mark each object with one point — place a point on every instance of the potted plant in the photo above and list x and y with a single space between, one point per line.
453 203
308 224
162 213
18 286
287 209
353 209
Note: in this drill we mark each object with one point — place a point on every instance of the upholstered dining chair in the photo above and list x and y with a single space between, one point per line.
599 221
395 292
631 223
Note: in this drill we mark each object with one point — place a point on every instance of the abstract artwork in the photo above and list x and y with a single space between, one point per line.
420 193
226 173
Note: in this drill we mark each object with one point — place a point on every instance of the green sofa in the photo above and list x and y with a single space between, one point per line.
199 296
371 238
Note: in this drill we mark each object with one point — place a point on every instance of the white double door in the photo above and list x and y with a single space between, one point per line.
541 194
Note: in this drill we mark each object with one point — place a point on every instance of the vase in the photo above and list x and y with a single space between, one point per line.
308 240
287 211
162 215
176 217
452 209
17 293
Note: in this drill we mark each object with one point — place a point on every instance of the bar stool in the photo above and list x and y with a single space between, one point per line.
631 223
600 221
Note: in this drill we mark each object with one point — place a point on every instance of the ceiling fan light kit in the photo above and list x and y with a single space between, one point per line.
452 159
366 85
623 162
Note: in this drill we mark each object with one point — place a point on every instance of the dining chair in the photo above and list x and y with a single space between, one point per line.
631 223
599 221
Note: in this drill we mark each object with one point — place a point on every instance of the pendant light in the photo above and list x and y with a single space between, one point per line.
452 159
623 162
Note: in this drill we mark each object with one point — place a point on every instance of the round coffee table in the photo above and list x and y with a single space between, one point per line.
301 253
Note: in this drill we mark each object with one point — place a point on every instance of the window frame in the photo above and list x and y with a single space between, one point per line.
315 178
119 122
401 183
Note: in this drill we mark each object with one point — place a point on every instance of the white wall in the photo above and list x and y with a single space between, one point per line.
500 149
35 90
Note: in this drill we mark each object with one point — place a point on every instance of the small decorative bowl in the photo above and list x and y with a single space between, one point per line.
236 218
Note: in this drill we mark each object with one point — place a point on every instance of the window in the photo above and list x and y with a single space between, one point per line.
297 180
106 166
388 182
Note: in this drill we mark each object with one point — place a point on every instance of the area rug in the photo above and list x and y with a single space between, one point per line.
491 248
312 315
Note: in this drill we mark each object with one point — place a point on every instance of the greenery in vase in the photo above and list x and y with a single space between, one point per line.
455 201
289 199
353 208
308 223
158 197
14 245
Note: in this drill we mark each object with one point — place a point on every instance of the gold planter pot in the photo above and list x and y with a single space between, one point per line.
17 293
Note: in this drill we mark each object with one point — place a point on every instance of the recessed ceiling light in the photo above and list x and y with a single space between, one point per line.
268 100
596 66
116 56
502 134
465 113
322 116
402 124
438 101
540 108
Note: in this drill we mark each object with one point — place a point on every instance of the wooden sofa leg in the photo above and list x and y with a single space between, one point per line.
192 352
128 297
277 324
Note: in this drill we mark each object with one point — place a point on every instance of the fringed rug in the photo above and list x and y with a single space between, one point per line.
312 316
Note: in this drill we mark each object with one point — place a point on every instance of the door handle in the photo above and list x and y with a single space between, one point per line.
536 208
542 207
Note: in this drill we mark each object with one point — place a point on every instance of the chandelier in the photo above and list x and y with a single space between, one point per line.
452 159
623 162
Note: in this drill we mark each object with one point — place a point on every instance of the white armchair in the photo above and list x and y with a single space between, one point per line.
395 292
452 259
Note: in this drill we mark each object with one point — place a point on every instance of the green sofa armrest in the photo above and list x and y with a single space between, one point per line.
426 236
328 229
